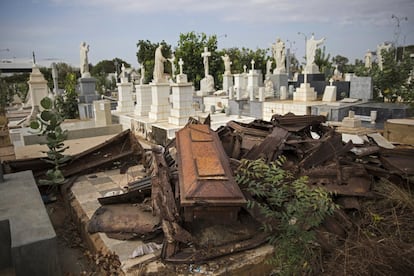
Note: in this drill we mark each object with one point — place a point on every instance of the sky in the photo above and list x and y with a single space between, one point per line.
54 29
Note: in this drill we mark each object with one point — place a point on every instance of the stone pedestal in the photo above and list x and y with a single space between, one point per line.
304 93
125 100
181 78
227 82
312 69
351 121
262 94
252 84
143 99
37 87
102 110
207 85
330 94
85 111
182 98
37 91
240 83
283 93
160 107
87 90
279 80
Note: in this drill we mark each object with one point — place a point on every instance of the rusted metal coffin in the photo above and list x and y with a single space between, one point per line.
207 187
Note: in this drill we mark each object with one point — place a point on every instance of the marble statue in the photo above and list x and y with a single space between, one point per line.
159 66
141 80
84 63
311 45
368 59
269 88
268 66
337 75
227 64
279 55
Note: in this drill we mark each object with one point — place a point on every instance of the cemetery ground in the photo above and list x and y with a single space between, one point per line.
370 234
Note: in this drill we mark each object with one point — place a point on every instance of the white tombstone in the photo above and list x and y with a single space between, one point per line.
38 89
329 95
160 105
102 111
125 97
182 103
143 99
351 121
207 83
262 95
283 93
231 93
305 92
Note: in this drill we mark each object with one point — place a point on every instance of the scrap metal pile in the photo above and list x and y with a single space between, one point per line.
193 188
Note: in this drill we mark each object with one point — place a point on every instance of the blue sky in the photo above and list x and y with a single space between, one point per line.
54 29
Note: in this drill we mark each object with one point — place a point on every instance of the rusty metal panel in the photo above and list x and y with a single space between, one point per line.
205 176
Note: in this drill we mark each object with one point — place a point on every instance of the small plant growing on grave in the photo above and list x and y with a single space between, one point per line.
292 208
48 125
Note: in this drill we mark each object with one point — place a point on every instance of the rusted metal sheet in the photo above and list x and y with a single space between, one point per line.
331 148
123 145
123 218
206 182
400 161
294 122
271 146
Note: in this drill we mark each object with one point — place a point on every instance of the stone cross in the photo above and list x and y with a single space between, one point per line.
244 68
205 56
252 62
305 76
330 81
180 63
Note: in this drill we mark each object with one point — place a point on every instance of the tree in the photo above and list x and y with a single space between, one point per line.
146 53
190 47
341 62
101 71
67 104
322 61
6 95
393 81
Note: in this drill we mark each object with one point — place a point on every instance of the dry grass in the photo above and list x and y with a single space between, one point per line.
382 239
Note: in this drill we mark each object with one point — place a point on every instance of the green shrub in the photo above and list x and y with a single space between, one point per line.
296 207
48 125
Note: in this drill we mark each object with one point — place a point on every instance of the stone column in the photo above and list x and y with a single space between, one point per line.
143 98
182 98
160 107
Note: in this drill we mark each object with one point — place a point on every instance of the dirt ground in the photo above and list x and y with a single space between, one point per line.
73 255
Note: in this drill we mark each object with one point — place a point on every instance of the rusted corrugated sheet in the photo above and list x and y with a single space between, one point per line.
205 177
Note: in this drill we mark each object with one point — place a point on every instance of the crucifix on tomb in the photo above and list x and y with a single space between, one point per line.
205 56
252 62
180 63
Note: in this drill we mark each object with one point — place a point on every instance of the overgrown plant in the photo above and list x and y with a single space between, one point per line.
48 124
296 207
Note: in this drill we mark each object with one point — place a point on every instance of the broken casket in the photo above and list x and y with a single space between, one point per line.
207 187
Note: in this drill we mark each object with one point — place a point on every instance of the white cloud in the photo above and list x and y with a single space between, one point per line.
355 12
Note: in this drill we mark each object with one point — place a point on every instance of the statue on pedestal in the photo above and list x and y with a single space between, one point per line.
158 75
279 55
84 63
311 45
